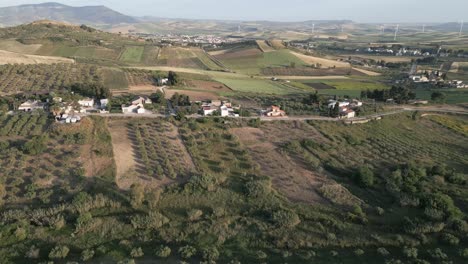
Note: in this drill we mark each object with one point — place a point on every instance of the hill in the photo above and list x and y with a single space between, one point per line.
94 15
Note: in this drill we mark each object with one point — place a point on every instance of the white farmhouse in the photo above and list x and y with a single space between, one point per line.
86 102
31 105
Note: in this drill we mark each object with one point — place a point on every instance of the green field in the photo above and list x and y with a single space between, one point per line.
114 78
454 96
255 86
132 54
250 62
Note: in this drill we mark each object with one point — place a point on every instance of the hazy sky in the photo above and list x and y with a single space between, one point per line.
285 10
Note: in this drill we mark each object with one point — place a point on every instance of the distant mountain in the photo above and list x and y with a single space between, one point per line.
93 15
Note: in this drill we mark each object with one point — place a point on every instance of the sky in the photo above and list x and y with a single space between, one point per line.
378 11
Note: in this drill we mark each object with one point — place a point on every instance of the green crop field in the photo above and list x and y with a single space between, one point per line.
132 54
255 86
113 78
454 96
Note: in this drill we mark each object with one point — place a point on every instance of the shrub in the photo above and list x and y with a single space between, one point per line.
36 145
32 253
365 177
59 252
260 255
285 218
437 254
187 251
163 252
136 252
194 214
383 251
450 239
258 188
211 254
410 252
87 254
464 253
359 252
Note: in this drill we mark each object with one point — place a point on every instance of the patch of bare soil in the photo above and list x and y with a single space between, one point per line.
208 86
92 163
288 176
130 167
124 155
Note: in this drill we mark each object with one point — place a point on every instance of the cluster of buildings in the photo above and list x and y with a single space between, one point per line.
399 52
347 108
437 77
224 108
137 105
66 111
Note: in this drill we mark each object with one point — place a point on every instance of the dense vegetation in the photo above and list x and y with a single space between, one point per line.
407 197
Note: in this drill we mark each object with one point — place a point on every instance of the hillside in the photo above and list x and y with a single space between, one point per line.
94 15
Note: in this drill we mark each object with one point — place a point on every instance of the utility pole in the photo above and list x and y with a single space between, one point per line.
396 32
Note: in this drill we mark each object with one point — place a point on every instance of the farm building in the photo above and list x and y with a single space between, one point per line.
332 103
347 113
134 108
275 111
86 102
141 100
223 107
104 103
31 105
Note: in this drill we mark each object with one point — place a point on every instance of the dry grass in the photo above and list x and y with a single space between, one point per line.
288 176
370 73
263 46
324 62
7 57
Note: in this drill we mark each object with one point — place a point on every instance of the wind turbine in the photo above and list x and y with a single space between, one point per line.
424 28
461 29
313 28
396 32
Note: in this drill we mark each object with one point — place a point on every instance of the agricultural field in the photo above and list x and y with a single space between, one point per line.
453 96
264 46
7 57
256 86
41 161
132 54
115 78
187 58
37 78
160 157
14 46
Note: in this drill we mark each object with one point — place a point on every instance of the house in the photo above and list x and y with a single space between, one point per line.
209 110
104 103
224 108
332 103
141 100
31 105
57 99
347 113
275 111
134 108
164 81
86 102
